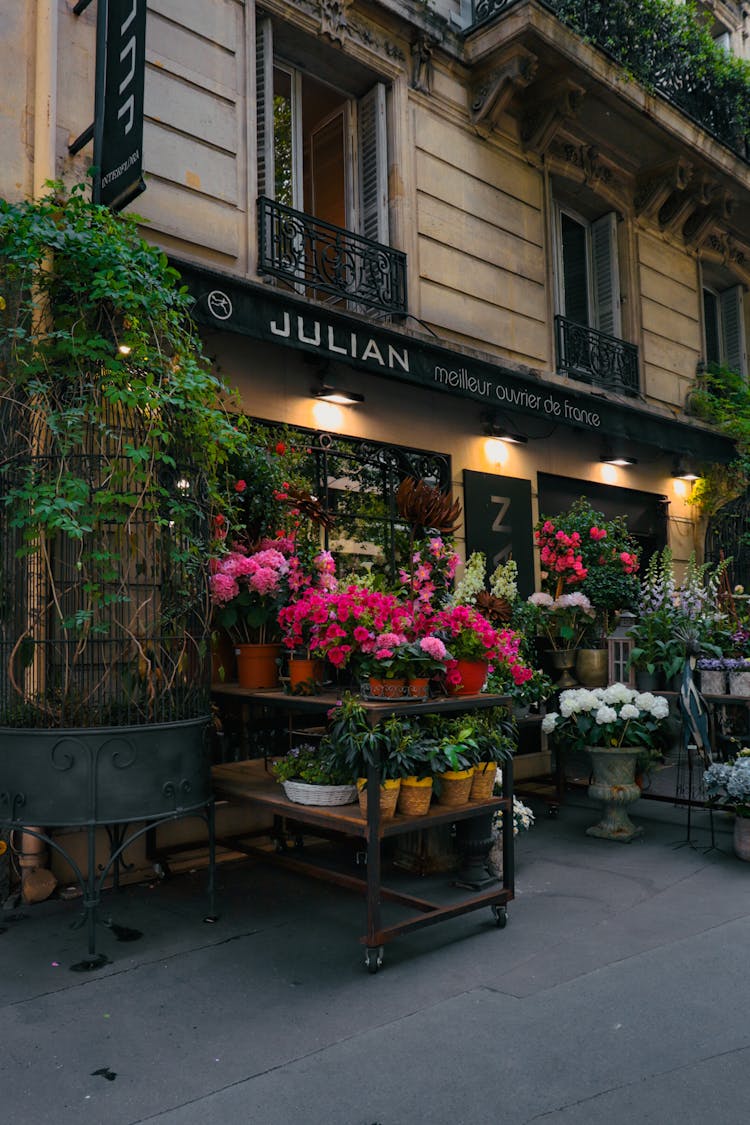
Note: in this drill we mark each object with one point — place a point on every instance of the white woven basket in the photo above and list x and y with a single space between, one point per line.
303 793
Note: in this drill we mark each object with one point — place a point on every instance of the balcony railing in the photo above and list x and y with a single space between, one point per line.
594 357
317 257
667 51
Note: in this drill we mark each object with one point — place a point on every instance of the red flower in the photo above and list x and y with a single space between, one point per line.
240 486
280 448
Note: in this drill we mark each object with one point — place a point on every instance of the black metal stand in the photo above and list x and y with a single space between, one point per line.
92 883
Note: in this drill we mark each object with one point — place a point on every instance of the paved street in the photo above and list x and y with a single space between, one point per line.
619 992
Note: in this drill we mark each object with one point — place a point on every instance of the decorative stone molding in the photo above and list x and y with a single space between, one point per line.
587 159
336 24
561 103
702 221
491 97
421 63
657 184
680 205
722 246
334 19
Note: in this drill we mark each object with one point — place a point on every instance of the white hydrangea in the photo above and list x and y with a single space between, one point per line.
629 711
549 722
605 715
660 709
644 700
618 693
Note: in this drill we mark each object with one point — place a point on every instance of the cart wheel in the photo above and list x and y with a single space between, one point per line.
552 811
373 958
500 915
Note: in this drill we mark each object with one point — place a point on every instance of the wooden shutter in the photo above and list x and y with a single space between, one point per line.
733 329
606 275
373 164
264 106
574 288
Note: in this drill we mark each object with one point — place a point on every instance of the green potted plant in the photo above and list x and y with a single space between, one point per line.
494 737
309 776
115 445
355 747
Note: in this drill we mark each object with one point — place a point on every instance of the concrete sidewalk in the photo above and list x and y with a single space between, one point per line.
619 992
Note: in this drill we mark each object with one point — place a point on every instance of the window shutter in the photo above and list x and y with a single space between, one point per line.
733 329
373 165
575 274
606 274
264 106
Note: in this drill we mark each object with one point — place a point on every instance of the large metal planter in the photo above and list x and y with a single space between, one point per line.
103 775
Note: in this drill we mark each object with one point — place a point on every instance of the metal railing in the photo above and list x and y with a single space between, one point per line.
654 49
594 357
315 256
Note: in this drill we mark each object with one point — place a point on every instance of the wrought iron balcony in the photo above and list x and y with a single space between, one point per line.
652 47
594 357
317 257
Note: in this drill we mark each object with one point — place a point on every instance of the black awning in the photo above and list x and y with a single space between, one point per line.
224 303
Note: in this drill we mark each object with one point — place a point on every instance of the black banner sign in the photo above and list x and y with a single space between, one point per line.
118 130
234 305
499 524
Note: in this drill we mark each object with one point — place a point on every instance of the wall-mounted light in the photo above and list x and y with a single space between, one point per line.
492 428
682 470
329 389
614 455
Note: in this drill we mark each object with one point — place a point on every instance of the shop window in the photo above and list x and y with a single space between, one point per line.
724 328
322 150
587 270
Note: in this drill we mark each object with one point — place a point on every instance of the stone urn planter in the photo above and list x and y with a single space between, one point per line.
614 786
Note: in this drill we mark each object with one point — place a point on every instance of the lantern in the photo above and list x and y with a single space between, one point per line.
619 647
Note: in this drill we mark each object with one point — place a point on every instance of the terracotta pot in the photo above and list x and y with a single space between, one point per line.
257 666
591 667
387 689
418 688
305 674
455 787
473 673
414 795
389 791
483 781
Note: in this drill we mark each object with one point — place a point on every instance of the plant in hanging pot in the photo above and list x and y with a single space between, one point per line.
616 726
728 785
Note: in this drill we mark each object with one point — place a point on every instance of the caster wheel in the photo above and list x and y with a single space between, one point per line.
552 812
373 959
281 847
500 915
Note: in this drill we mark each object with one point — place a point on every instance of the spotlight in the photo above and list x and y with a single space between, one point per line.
339 395
502 433
615 456
683 471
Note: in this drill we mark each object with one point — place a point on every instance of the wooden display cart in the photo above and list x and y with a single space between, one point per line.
251 784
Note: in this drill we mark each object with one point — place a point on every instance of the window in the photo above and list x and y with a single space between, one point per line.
724 328
321 150
587 272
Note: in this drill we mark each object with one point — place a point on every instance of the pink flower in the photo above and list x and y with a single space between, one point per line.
433 647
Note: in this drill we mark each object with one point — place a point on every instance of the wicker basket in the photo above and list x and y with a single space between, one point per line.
302 793
389 792
414 796
483 781
455 787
